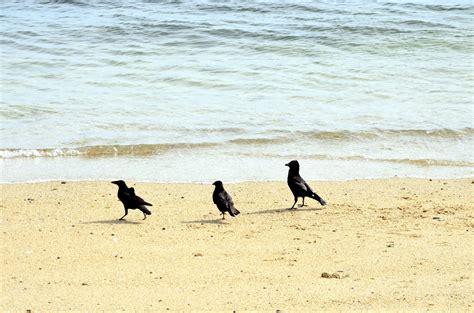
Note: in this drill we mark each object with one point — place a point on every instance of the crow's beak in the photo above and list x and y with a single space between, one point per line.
287 164
114 182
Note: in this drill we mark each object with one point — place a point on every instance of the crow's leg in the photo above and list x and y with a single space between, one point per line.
303 203
144 216
126 212
223 215
296 199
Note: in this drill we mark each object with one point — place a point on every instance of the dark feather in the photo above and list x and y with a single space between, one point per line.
130 200
298 186
223 200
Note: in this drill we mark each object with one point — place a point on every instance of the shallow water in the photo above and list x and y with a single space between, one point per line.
178 91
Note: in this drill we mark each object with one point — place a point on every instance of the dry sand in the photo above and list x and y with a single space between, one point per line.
394 244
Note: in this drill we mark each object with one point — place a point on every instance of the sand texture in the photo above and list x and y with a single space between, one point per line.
393 244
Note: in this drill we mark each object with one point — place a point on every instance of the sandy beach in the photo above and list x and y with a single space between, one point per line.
391 244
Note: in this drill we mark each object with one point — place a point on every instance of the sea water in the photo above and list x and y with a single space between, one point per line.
195 91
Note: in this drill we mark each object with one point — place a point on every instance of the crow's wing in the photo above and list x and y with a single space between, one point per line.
136 199
129 193
299 184
140 201
230 204
300 188
224 202
224 199
310 191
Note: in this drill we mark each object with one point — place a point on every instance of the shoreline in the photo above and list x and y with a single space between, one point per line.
93 180
206 167
379 244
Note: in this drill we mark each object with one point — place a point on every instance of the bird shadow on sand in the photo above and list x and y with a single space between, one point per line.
115 222
218 221
284 210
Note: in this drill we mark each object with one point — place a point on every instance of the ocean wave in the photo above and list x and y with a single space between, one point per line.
271 137
383 133
101 150
417 162
214 7
259 141
142 150
19 111
430 162
36 153
438 7
128 150
72 2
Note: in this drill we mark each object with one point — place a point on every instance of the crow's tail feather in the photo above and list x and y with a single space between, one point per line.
318 198
144 210
233 211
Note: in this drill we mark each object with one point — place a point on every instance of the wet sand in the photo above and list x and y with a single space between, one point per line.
392 244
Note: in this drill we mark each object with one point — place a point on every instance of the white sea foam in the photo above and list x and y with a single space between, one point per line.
36 153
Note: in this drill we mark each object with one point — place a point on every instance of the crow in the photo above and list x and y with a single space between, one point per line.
298 185
223 200
130 200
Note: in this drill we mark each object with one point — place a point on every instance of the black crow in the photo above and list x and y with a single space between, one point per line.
223 200
130 200
298 185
